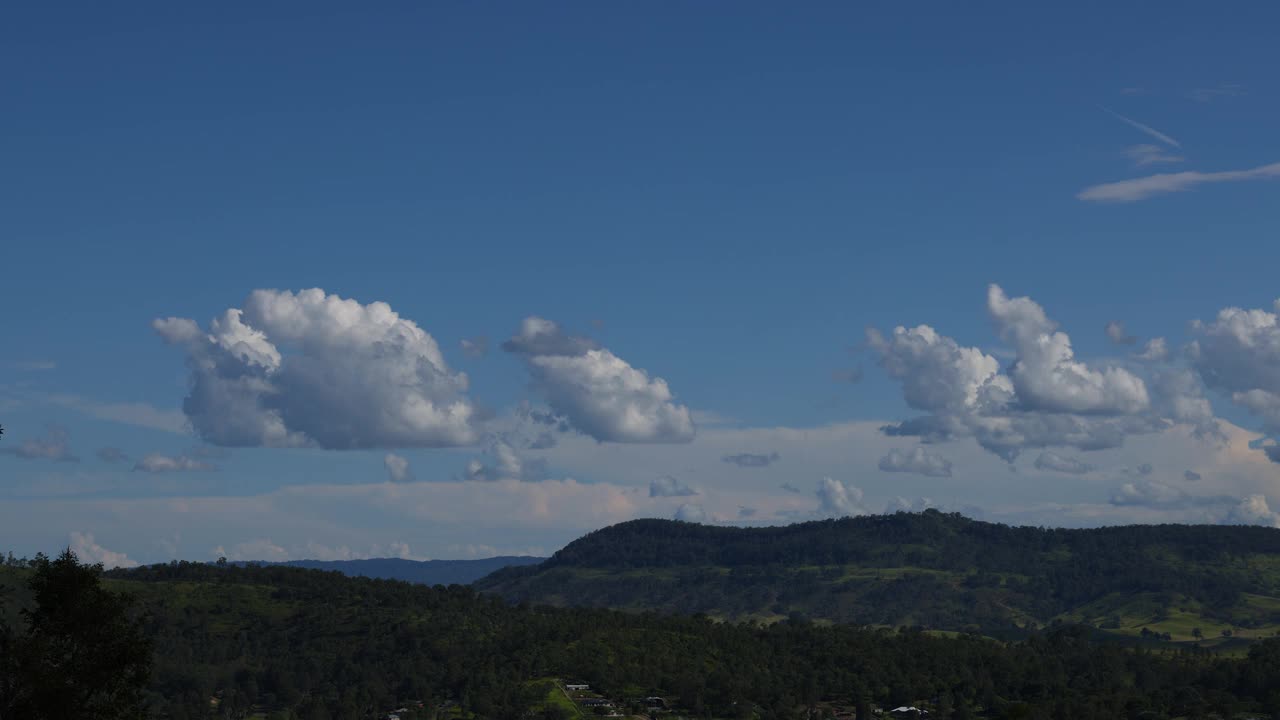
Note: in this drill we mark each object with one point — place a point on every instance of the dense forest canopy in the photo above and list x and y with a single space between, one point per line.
283 642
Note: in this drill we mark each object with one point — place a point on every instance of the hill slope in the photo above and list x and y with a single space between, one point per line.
287 642
932 569
422 572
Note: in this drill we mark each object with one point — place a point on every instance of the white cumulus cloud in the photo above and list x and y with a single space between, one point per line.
598 393
397 468
1046 397
689 512
836 499
1047 376
504 463
1156 350
89 551
1253 510
314 369
1238 353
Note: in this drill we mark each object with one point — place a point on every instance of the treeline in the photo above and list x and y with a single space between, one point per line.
962 572
314 645
230 641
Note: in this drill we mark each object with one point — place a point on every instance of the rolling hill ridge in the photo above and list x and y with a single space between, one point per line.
934 570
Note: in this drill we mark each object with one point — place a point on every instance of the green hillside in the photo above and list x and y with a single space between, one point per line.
285 643
934 570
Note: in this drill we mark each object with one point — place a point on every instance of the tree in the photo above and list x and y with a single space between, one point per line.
82 655
1197 633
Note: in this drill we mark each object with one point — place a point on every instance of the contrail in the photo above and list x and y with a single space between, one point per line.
1144 128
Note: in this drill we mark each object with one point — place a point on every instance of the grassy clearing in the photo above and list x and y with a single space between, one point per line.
1262 603
555 697
1180 617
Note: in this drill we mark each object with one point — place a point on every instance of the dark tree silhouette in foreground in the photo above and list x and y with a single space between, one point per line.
81 655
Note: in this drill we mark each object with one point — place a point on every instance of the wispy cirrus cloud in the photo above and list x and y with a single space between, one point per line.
1162 137
138 414
1148 154
752 460
1116 334
1127 191
851 375
112 455
1217 92
158 463
1050 460
128 413
476 347
55 445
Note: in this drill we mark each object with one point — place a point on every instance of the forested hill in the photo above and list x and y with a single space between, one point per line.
279 642
423 572
937 570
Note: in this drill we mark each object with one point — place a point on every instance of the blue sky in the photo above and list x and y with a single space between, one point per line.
723 196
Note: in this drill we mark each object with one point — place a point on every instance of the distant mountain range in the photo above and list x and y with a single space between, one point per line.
424 572
939 571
